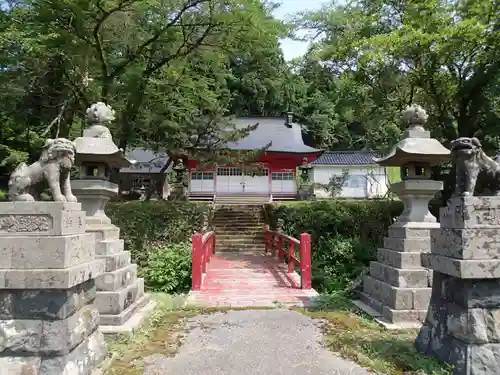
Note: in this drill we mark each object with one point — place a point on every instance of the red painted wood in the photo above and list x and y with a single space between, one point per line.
281 252
196 260
291 257
274 241
202 250
249 279
305 260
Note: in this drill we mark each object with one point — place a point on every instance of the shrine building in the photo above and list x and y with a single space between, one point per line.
275 179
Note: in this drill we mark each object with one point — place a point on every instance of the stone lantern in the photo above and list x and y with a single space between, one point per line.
397 291
96 156
306 190
179 191
305 168
120 296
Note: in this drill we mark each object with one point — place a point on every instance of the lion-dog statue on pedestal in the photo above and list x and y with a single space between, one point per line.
471 162
54 166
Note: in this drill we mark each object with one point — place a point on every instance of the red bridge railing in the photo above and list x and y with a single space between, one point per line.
285 247
203 246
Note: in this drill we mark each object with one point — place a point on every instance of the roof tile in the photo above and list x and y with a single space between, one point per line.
346 158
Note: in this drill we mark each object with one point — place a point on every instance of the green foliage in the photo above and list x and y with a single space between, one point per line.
145 226
344 234
3 196
169 269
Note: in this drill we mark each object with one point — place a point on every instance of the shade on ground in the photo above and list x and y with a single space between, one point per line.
250 279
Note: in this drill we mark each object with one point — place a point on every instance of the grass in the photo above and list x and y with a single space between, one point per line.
358 337
347 332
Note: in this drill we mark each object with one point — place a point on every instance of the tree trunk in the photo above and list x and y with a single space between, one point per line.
160 180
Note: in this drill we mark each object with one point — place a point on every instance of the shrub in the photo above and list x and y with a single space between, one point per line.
3 196
345 235
169 269
155 224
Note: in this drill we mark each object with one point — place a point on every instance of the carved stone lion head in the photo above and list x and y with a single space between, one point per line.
465 147
59 149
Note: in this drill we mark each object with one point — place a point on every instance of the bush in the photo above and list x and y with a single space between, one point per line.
169 269
345 235
3 196
156 224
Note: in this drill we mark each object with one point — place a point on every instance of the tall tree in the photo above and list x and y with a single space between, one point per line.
387 54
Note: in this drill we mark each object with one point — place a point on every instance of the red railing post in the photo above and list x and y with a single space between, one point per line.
281 253
291 256
305 261
274 244
196 260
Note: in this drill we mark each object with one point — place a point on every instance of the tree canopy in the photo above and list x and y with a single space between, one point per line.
176 71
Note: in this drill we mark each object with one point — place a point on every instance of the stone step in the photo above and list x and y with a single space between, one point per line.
239 248
117 279
240 241
114 302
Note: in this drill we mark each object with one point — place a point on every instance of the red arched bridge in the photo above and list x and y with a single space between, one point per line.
279 275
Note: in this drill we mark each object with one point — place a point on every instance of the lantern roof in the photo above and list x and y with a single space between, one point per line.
417 146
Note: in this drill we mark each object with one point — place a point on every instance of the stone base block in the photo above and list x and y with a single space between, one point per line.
118 279
81 361
125 315
45 304
399 259
116 261
46 252
386 315
471 213
114 302
104 232
414 245
403 278
410 232
397 298
463 269
44 337
50 278
109 247
41 219
466 243
139 315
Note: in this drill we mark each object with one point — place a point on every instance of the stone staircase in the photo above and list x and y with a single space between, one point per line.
239 228
242 199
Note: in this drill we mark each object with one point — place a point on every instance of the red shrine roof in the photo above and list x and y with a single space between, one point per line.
274 130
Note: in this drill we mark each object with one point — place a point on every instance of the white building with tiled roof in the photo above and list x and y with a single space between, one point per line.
366 179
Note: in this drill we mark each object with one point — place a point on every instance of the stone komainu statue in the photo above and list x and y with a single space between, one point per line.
54 166
472 163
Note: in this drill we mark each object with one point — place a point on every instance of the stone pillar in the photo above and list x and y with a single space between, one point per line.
398 289
48 319
120 293
462 326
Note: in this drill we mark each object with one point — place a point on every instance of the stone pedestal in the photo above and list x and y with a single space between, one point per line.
120 299
397 290
462 326
48 319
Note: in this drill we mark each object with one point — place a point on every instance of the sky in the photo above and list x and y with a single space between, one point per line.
291 48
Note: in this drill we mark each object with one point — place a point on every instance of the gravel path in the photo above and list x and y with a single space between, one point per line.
263 342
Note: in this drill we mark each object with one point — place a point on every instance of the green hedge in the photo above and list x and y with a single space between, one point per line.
344 234
158 235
